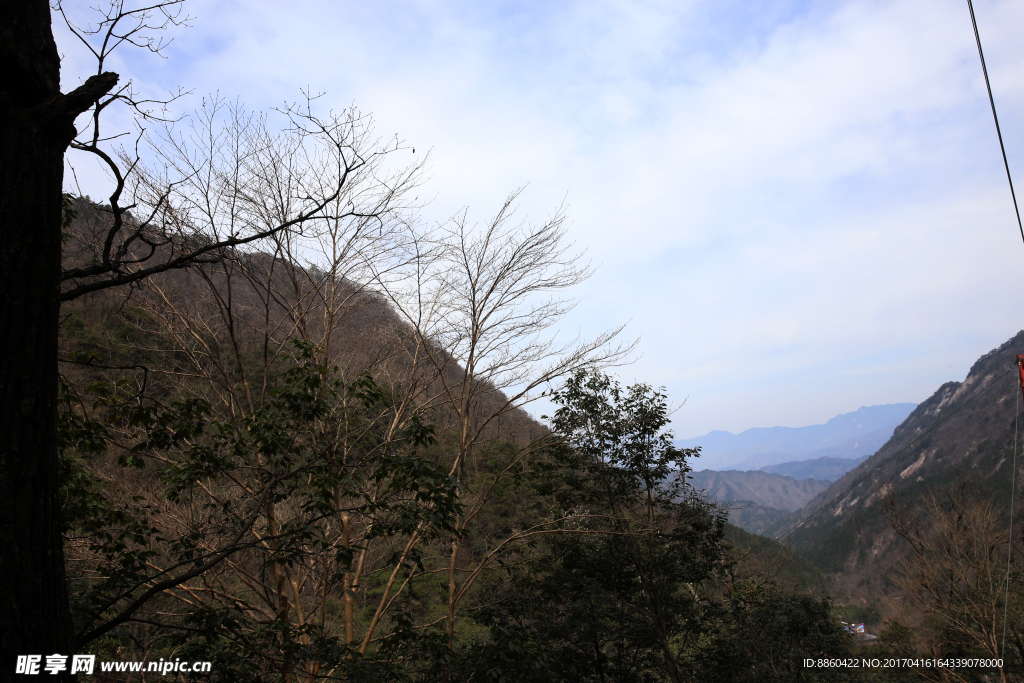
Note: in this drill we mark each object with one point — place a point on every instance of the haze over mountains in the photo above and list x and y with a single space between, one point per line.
755 499
824 468
774 490
787 466
844 437
963 435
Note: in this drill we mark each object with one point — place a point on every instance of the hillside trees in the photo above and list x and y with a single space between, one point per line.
233 536
667 537
272 490
151 228
216 338
957 576
221 334
614 593
639 583
215 342
484 305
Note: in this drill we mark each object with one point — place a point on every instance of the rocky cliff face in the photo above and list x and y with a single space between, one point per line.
965 430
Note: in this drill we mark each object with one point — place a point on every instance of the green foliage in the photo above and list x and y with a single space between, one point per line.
611 588
260 490
616 440
828 545
763 634
769 558
637 583
628 580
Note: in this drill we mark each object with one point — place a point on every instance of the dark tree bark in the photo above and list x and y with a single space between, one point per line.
36 127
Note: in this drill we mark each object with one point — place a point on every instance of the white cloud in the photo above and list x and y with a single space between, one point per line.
800 207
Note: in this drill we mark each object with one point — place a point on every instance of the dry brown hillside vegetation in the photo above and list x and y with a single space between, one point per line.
272 422
441 371
305 457
301 465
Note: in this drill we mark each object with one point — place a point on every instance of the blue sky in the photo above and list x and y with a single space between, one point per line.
799 208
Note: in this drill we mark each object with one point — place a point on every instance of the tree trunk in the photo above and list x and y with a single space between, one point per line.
36 126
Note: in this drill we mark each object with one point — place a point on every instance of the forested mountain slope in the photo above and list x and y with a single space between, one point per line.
755 500
963 432
268 466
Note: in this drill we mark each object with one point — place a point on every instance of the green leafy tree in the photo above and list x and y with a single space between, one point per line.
763 634
639 584
613 593
226 538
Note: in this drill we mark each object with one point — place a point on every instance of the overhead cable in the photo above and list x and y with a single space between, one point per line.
995 117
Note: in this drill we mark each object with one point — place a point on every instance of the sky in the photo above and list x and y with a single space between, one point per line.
797 208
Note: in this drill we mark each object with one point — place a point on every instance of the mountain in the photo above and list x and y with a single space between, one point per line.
757 555
824 469
764 488
754 518
963 433
850 435
756 500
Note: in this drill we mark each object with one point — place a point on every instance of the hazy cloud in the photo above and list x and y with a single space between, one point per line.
799 206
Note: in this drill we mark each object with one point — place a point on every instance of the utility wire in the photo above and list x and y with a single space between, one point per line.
1009 178
995 117
1020 225
1013 490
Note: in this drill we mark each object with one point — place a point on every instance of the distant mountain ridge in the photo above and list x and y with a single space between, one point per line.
960 432
764 488
848 436
756 500
824 469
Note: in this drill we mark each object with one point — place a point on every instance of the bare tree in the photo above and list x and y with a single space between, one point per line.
223 329
230 180
154 223
957 573
486 303
37 121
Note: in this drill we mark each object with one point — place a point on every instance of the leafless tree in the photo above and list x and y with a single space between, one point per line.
281 223
956 574
223 327
486 303
287 227
229 180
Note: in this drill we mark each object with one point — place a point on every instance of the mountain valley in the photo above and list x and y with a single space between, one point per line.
957 448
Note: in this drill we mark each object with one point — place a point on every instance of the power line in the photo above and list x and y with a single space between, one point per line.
980 392
1009 178
1013 490
995 117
